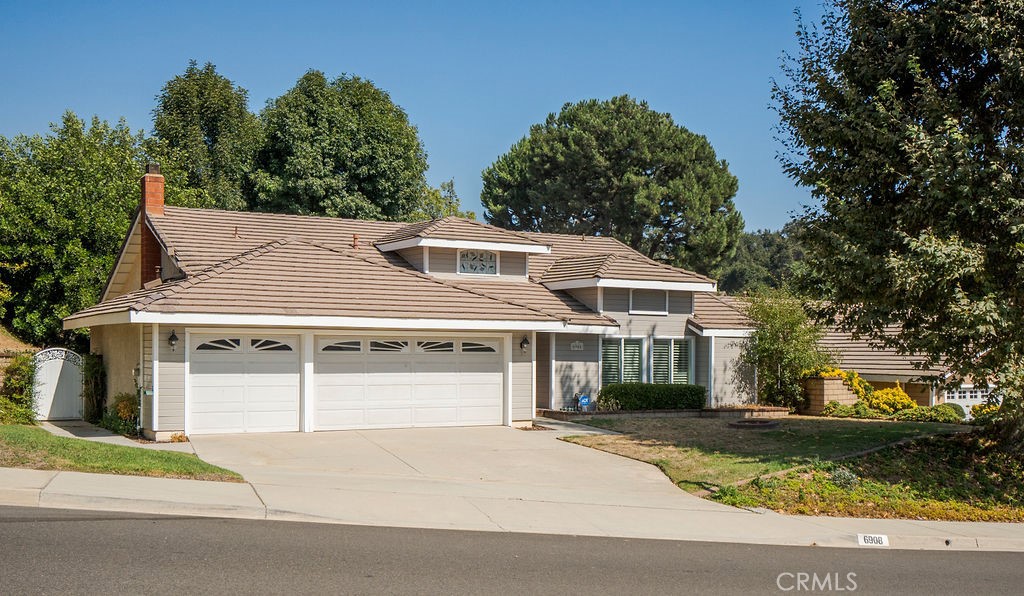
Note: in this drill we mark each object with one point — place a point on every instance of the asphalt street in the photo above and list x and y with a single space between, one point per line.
52 551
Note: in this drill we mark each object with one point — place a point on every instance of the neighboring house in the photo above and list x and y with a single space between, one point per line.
885 367
252 322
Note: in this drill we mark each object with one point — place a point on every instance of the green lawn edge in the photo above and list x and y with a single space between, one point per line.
31 447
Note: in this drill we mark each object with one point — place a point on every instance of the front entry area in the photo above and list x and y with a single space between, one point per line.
244 383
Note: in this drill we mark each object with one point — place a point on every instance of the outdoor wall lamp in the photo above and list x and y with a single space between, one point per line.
523 345
172 340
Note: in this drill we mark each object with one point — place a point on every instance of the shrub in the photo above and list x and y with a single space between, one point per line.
19 378
956 409
12 413
851 378
835 409
648 396
123 415
843 478
862 410
984 414
890 401
94 387
929 414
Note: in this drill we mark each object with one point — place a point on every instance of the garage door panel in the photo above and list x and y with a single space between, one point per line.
388 417
245 389
436 416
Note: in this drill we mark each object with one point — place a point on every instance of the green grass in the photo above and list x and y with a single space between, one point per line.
32 447
701 454
961 478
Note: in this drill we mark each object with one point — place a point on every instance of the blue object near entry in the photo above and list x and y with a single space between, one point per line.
584 401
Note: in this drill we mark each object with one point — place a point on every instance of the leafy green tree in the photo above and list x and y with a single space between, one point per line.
203 127
618 168
783 345
440 202
764 259
906 121
65 204
340 148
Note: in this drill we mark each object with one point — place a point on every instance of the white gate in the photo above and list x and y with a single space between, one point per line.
58 385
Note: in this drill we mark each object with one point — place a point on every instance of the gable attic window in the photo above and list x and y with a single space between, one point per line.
478 262
648 302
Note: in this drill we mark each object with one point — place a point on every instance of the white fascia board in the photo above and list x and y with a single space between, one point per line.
240 320
636 284
721 332
114 318
589 329
470 244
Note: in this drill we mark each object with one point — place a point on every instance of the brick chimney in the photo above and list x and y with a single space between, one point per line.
151 203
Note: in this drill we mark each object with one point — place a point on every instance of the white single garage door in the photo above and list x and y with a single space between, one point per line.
400 382
243 383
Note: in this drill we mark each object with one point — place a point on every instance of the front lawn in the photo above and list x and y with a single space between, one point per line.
32 447
960 478
701 454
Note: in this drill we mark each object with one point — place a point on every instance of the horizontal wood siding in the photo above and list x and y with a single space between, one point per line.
576 371
587 296
172 382
680 308
543 370
413 256
734 380
444 262
521 383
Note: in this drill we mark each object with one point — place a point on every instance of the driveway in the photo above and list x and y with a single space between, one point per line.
467 478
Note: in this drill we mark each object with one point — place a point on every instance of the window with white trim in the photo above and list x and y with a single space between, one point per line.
476 347
344 345
622 361
227 344
670 360
478 262
435 346
389 345
648 302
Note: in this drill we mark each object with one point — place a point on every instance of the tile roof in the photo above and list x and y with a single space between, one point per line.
458 228
718 311
618 266
871 360
299 277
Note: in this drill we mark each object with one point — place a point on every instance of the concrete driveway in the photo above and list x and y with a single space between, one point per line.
483 478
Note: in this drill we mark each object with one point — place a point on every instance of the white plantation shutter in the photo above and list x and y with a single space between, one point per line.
632 360
662 356
610 361
680 361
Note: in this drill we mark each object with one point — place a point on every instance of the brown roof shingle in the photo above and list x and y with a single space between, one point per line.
458 228
618 266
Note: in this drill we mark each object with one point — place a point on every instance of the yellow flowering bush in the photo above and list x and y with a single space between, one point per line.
861 388
891 400
983 410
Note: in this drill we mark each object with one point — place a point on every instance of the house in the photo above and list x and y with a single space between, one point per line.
254 322
884 367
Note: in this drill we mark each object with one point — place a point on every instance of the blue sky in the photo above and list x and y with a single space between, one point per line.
473 76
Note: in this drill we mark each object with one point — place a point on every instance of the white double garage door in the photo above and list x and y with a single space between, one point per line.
253 383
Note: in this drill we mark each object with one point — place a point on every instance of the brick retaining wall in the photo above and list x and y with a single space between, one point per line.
821 391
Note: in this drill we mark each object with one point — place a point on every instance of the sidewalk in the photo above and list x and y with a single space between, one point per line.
383 498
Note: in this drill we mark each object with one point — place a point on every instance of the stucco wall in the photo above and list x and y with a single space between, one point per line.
521 382
575 371
119 346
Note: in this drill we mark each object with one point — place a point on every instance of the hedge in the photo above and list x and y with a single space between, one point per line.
648 396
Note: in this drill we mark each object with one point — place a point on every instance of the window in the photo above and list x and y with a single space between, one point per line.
648 302
432 347
348 345
389 345
622 361
670 359
478 347
220 345
268 345
478 262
